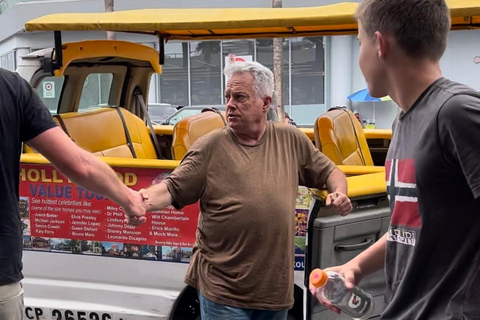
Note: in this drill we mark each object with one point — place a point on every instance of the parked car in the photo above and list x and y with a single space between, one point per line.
188 111
159 112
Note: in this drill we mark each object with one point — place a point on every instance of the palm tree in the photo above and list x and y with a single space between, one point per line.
277 70
109 8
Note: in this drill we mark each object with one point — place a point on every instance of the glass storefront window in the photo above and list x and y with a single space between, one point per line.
174 78
205 73
308 71
202 63
240 48
7 61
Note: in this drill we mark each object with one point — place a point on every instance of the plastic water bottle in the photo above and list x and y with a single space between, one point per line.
355 303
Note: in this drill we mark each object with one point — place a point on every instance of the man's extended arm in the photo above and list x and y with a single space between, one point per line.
157 196
88 171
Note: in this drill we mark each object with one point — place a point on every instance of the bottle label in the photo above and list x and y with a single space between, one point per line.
354 301
358 302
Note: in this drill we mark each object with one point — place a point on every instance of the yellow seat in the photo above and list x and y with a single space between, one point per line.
339 135
189 129
104 132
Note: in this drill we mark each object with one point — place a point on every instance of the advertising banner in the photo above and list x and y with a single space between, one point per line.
59 216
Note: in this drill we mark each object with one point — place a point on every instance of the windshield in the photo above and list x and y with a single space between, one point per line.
183 114
159 113
49 91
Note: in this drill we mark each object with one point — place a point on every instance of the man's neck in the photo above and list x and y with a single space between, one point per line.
409 81
251 137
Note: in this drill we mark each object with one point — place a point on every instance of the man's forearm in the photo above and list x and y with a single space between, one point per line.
337 181
373 258
84 168
157 196
98 177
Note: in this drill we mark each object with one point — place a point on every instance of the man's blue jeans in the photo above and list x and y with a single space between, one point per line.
214 311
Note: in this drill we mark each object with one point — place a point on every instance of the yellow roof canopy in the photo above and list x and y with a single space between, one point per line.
223 23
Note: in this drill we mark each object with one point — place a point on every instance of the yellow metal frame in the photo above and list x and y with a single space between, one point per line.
163 130
167 130
360 186
360 170
217 24
364 183
106 48
378 134
221 23
308 132
367 184
36 158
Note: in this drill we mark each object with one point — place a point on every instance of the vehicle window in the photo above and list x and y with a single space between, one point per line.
160 112
96 91
49 91
173 81
183 114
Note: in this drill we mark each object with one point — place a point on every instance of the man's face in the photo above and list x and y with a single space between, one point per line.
371 65
244 109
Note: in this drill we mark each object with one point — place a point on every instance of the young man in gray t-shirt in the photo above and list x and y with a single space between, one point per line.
431 252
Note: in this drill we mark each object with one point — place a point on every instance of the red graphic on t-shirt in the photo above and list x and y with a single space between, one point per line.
402 192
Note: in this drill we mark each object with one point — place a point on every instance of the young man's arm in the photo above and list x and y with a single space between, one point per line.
367 262
459 129
88 171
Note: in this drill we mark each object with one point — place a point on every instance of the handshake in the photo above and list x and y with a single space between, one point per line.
139 202
136 207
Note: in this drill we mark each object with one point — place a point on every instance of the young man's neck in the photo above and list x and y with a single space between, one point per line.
410 80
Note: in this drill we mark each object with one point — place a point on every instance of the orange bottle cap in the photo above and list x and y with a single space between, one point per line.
318 278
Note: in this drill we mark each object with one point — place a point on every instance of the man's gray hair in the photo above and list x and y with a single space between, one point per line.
263 77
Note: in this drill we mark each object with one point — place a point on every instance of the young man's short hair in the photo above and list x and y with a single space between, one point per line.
419 26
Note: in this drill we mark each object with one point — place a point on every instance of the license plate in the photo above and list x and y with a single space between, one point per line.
37 313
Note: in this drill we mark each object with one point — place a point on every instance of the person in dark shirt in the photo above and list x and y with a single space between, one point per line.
24 118
431 251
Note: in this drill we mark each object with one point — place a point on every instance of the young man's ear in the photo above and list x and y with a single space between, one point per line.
382 44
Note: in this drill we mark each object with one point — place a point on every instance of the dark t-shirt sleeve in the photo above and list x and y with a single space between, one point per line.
459 132
35 116
315 167
394 125
187 182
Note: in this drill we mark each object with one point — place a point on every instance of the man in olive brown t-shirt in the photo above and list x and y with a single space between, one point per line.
246 177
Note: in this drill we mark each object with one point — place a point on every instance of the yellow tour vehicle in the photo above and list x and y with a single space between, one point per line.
81 261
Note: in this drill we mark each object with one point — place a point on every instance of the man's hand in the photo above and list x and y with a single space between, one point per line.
156 197
340 203
352 274
144 194
136 210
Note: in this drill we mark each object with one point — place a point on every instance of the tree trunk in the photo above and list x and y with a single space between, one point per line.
277 71
109 8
